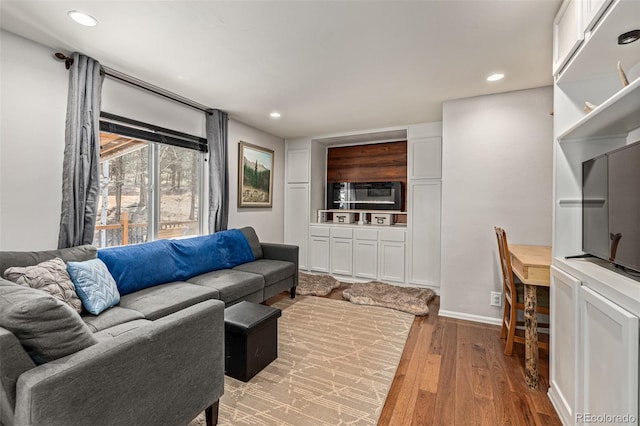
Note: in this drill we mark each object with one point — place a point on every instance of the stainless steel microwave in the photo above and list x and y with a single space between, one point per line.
365 195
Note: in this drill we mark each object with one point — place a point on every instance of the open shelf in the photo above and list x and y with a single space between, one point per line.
618 115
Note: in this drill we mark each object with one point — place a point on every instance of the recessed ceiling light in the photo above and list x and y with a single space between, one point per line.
629 37
274 114
495 77
82 18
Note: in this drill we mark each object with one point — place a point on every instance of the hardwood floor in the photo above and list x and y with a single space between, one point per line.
454 372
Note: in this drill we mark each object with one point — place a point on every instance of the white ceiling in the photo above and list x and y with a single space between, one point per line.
327 66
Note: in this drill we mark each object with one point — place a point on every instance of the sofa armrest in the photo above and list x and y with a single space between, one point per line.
285 252
165 372
14 361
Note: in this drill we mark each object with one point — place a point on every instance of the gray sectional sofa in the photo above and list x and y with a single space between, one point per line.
157 357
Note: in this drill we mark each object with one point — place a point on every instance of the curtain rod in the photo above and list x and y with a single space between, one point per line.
125 78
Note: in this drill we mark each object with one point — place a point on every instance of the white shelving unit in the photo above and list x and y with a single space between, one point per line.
594 309
618 115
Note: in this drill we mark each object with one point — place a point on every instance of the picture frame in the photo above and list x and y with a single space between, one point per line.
255 176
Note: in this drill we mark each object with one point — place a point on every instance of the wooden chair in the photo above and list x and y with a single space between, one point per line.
514 299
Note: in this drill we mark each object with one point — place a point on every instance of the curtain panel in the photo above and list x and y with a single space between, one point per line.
216 125
81 174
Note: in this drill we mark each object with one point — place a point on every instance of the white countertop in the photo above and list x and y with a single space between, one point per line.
603 278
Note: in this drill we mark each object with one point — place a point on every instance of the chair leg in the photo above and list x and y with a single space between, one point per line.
511 332
505 313
211 414
292 292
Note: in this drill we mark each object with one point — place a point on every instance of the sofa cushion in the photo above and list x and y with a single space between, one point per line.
47 328
272 270
94 284
162 300
254 242
29 258
117 330
139 266
231 285
50 276
110 318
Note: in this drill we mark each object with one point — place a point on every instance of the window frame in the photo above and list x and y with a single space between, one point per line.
156 136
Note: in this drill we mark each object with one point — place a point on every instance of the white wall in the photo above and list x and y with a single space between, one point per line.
496 170
268 223
33 101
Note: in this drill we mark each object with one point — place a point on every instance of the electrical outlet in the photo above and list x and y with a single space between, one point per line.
496 298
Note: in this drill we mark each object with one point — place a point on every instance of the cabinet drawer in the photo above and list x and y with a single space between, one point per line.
342 232
367 234
392 235
319 231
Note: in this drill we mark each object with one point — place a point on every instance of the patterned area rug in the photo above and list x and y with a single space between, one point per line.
335 365
407 299
315 285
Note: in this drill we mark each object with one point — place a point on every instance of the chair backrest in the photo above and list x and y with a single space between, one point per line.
508 282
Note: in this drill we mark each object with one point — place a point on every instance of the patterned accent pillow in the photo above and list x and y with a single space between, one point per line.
50 276
94 284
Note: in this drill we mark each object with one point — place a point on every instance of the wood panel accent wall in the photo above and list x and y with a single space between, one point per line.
380 162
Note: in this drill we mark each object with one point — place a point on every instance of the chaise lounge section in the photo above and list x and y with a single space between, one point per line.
157 357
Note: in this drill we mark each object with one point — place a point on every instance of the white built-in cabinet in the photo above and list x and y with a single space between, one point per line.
424 194
563 360
392 255
608 363
297 219
594 308
365 253
342 251
372 253
408 255
296 203
594 345
319 248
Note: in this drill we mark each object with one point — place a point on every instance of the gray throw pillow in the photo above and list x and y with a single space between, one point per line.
47 328
50 276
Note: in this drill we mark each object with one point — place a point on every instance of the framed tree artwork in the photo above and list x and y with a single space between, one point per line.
255 176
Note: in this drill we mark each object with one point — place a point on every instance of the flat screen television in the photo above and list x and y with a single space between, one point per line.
611 206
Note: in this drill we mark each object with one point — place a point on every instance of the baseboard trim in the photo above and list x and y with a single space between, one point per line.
469 317
559 406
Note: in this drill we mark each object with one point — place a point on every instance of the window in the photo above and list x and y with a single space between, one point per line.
151 183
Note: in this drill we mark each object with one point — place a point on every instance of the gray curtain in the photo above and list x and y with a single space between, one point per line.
216 123
80 179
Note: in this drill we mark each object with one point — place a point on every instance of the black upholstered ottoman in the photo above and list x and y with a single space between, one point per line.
250 338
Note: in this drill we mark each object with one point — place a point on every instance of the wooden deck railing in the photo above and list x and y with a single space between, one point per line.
125 232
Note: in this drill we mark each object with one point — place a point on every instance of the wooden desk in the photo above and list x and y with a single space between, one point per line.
532 264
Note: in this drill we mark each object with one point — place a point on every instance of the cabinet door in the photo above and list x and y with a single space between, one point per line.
366 259
342 256
298 166
609 359
296 220
424 232
392 261
567 33
425 158
319 254
592 10
563 361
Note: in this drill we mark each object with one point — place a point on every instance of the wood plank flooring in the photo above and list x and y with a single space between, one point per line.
454 372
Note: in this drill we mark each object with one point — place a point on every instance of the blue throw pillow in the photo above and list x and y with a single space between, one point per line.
94 284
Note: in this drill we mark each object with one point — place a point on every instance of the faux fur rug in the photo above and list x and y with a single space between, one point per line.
407 299
315 285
